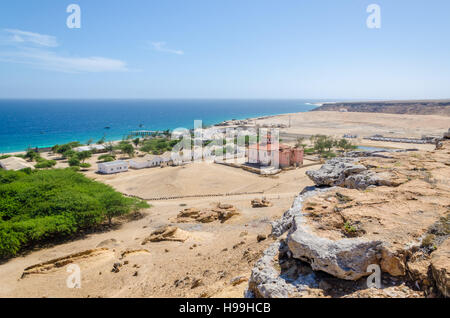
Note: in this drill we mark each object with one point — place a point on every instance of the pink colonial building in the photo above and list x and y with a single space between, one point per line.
275 154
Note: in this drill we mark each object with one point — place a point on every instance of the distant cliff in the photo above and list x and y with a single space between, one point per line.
430 107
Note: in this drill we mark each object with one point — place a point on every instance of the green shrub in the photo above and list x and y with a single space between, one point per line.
45 164
57 203
158 145
61 149
74 162
106 158
328 154
32 155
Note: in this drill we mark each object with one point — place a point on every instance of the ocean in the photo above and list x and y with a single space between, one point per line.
44 123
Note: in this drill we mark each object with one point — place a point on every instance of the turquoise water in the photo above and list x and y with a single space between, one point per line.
44 123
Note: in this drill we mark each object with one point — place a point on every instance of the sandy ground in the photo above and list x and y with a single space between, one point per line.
362 124
212 256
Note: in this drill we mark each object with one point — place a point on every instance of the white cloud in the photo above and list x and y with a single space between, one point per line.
160 46
24 37
44 56
51 61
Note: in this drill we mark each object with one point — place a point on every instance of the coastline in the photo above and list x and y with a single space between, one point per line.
43 124
339 123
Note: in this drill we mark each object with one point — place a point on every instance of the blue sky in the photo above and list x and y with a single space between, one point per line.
314 49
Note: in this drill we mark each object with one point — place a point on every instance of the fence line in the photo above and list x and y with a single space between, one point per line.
195 196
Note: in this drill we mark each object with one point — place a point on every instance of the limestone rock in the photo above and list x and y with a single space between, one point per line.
418 266
447 135
335 171
261 203
266 280
261 237
190 212
440 266
346 172
221 212
282 225
392 262
165 233
346 259
238 280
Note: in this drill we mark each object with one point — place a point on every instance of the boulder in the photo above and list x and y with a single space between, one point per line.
440 267
346 172
346 258
447 135
221 212
266 280
335 171
190 212
206 216
165 233
261 203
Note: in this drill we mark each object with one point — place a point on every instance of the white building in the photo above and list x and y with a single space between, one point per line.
113 167
149 161
139 163
93 148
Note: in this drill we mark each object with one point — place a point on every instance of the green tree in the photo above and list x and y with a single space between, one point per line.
74 162
69 153
127 148
84 155
115 205
32 155
44 205
110 148
322 143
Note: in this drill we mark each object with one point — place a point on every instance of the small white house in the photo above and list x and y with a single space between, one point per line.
139 164
113 167
150 161
93 148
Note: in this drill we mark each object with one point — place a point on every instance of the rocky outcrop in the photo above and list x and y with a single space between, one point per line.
369 210
347 172
281 226
440 262
346 259
166 233
261 203
268 281
221 212
447 135
430 107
